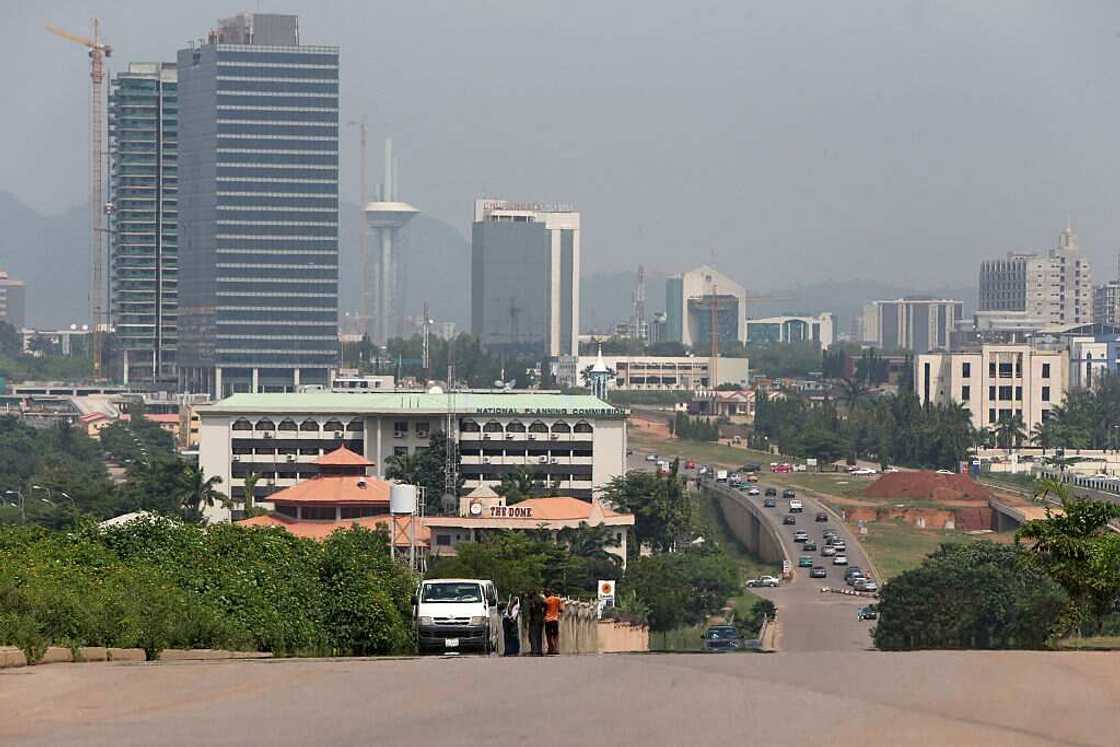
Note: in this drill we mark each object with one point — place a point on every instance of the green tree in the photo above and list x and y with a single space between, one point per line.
519 483
1078 550
661 508
969 595
200 492
682 588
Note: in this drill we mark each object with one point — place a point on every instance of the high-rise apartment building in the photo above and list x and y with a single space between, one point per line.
916 324
1056 288
258 208
143 223
1106 303
13 301
525 272
694 299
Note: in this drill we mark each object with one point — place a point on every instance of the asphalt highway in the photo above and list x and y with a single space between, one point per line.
808 620
823 698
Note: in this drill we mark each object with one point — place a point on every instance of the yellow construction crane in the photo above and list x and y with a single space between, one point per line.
98 51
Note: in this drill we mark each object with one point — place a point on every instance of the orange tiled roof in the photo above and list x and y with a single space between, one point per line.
344 457
320 530
341 489
161 417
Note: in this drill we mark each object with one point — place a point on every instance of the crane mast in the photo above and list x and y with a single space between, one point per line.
98 208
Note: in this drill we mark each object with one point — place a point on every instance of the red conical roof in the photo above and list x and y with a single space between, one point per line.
343 457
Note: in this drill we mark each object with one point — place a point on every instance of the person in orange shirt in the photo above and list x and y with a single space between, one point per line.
553 608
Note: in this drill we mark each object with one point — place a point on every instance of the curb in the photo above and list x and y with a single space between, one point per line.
12 657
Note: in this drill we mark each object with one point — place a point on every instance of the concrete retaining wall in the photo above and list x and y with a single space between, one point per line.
581 632
749 526
10 656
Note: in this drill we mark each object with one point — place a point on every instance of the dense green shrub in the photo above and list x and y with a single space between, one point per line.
160 583
682 588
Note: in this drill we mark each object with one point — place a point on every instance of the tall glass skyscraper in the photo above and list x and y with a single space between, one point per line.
143 256
258 219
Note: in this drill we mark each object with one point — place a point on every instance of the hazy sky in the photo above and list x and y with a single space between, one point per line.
794 141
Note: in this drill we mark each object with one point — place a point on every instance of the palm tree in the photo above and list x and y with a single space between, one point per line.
403 467
249 503
855 391
1042 435
518 484
1010 432
200 491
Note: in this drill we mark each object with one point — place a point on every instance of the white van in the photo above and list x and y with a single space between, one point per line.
721 475
457 614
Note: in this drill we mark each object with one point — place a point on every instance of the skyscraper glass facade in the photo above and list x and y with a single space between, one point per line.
258 209
143 230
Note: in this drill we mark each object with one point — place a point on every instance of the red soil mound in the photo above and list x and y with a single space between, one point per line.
927 486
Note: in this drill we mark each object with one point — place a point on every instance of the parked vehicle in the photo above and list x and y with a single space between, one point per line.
722 638
867 613
651 457
769 581
690 464
457 614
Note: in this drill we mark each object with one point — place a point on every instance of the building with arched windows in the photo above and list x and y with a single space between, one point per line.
574 443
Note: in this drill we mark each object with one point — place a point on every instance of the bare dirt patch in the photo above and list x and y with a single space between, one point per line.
928 486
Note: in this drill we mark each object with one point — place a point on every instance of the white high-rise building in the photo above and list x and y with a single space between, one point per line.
694 298
1056 288
917 324
525 277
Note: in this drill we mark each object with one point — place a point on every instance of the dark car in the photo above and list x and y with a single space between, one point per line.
770 503
752 467
789 519
722 638
810 545
771 491
788 493
867 613
818 571
822 516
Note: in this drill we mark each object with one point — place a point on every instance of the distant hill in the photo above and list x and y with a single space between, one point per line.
50 254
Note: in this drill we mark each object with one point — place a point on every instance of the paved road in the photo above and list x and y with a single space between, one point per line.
809 620
951 698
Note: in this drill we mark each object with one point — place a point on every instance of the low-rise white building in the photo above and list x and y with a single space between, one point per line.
575 442
649 372
996 382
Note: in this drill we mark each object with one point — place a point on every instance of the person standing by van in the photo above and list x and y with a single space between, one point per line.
511 625
554 607
536 609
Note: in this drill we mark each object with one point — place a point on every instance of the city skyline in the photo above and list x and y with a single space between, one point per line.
791 175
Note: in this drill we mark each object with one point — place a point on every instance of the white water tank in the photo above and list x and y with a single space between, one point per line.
402 499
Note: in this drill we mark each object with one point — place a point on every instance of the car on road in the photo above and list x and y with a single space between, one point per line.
771 491
863 471
800 536
865 584
788 493
852 574
651 457
769 503
810 545
821 516
818 571
754 491
828 551
771 581
840 560
721 638
795 506
867 613
789 519
805 561
457 614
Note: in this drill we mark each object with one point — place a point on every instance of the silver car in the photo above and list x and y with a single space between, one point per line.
840 560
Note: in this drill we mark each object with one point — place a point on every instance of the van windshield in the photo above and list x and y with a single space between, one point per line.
457 592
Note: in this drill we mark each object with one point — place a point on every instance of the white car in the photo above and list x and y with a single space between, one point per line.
946 472
795 505
840 560
771 581
863 471
754 491
651 457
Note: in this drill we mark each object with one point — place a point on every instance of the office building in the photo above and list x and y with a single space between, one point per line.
143 223
650 372
916 324
996 382
791 329
576 442
13 301
694 298
525 277
258 208
1106 303
1056 288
